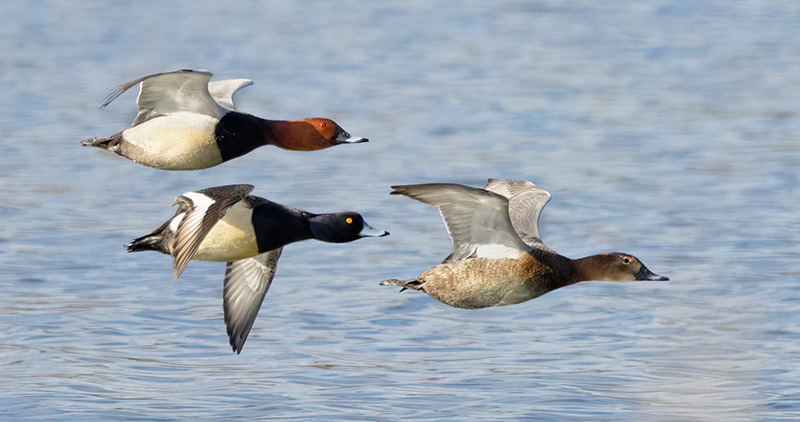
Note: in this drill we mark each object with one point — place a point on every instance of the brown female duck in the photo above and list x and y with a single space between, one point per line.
498 257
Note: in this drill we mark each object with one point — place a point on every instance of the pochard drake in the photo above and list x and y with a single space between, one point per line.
186 122
498 257
225 224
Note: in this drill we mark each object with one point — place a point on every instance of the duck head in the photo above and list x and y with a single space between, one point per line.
615 266
331 133
342 227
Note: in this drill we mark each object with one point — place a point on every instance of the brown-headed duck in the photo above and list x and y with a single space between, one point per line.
498 257
186 122
226 224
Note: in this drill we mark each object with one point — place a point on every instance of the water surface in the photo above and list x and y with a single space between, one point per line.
668 130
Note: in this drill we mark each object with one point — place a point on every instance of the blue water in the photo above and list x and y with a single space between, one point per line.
664 129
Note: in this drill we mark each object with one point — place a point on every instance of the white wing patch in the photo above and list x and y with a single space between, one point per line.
199 200
497 251
176 221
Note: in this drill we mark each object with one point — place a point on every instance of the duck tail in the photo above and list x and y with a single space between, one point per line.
144 243
111 143
149 242
413 284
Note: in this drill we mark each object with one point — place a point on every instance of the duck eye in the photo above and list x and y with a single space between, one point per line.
349 220
323 125
626 260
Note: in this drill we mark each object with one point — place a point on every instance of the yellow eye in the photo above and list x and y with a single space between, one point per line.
349 220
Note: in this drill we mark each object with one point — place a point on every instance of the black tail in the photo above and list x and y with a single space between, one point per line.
149 242
145 243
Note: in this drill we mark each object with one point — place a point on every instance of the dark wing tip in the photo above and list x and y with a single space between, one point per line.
116 92
201 71
235 345
234 334
227 191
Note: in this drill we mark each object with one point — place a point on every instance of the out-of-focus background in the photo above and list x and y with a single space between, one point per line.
665 129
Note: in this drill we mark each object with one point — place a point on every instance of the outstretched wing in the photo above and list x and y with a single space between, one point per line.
525 204
222 91
171 92
476 219
201 211
246 284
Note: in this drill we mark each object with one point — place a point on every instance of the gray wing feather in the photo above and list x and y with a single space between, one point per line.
203 210
222 91
474 217
247 282
525 204
171 92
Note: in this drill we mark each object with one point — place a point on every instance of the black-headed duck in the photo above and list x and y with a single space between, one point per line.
225 224
186 122
498 257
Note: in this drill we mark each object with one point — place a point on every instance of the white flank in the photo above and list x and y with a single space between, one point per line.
179 141
233 237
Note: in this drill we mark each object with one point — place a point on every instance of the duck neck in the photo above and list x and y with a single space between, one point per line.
321 228
563 271
588 268
278 225
239 133
292 135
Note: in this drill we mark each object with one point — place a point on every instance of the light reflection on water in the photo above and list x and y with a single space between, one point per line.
665 130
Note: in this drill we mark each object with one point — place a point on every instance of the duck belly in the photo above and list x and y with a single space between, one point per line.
231 239
479 283
180 141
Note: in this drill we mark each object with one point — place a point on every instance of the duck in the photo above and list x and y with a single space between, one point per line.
186 122
498 257
227 224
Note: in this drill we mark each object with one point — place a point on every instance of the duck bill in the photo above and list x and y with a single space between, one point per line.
345 138
369 231
646 274
351 140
